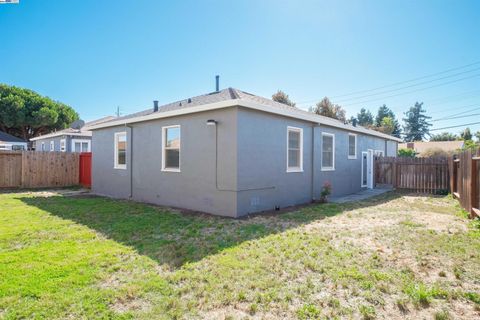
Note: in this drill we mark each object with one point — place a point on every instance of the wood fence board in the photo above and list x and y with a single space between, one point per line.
33 169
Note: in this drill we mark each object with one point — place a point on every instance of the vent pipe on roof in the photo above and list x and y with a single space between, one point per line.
155 106
217 83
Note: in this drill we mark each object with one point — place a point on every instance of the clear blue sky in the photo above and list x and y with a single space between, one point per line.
97 55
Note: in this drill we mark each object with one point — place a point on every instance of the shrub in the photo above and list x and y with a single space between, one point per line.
434 152
406 153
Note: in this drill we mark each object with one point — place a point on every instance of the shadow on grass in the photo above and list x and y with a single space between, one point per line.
173 238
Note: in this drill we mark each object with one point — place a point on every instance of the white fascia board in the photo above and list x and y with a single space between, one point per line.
302 115
59 134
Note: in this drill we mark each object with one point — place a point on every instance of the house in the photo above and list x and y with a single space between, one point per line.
77 138
422 146
231 153
9 142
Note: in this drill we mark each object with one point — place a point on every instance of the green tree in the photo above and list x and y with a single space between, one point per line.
416 126
365 118
384 112
466 134
26 114
477 135
387 125
328 109
444 136
406 153
282 97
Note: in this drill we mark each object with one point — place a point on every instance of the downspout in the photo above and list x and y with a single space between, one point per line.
131 160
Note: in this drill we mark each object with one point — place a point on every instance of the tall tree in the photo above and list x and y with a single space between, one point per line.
444 136
466 134
384 112
365 118
416 126
26 114
328 109
282 97
477 135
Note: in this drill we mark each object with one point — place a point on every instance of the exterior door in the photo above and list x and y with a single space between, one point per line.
367 169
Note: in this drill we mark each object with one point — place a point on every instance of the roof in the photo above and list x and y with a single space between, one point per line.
421 146
83 132
5 137
231 97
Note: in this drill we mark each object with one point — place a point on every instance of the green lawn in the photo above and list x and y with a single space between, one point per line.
395 256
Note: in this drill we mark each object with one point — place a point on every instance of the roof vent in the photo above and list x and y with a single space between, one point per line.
354 122
189 100
217 83
155 106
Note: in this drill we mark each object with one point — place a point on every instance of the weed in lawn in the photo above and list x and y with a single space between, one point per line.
442 315
367 312
308 311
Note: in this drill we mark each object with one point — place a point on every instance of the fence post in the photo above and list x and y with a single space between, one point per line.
473 186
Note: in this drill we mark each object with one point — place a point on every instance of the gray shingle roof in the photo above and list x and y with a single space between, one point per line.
5 137
222 95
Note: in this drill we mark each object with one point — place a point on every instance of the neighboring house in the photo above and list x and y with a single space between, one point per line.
422 146
68 140
232 153
9 142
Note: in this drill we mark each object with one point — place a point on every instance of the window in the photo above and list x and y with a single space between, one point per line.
294 149
120 150
328 151
352 146
63 145
52 146
378 153
171 148
79 145
43 146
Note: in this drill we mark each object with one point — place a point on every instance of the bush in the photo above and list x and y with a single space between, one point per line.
434 152
406 153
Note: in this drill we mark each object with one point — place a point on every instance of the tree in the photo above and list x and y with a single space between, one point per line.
416 125
444 136
282 97
384 112
26 114
328 109
477 135
466 134
386 126
365 118
406 153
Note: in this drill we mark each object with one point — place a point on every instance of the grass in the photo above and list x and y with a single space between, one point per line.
93 257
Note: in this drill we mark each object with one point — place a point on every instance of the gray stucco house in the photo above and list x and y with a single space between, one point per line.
231 153
68 140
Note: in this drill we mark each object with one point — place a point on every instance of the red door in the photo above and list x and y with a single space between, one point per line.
86 169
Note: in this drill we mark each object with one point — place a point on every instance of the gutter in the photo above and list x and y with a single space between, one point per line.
131 159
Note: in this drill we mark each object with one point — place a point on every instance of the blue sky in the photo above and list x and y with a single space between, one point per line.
97 55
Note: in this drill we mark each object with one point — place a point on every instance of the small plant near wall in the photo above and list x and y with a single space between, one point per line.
326 191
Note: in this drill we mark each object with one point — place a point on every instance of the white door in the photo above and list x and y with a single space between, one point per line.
370 169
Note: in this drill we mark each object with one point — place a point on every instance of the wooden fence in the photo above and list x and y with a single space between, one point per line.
33 169
427 175
465 180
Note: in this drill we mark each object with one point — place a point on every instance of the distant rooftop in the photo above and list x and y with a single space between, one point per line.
5 137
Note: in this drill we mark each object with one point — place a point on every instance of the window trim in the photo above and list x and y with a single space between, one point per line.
164 138
332 168
43 147
116 165
350 157
64 141
300 167
378 151
81 141
52 146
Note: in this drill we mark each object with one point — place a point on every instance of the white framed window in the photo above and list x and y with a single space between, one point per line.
43 146
328 151
52 146
294 149
81 145
120 156
171 148
379 153
352 146
63 145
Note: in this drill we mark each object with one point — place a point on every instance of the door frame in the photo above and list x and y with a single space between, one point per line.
370 154
361 180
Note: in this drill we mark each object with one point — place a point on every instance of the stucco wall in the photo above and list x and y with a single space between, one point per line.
262 153
194 187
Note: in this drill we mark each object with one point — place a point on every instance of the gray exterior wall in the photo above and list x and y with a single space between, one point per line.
194 187
56 141
251 173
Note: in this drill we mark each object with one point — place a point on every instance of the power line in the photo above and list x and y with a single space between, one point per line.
398 83
457 117
451 127
412 91
457 114
406 87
